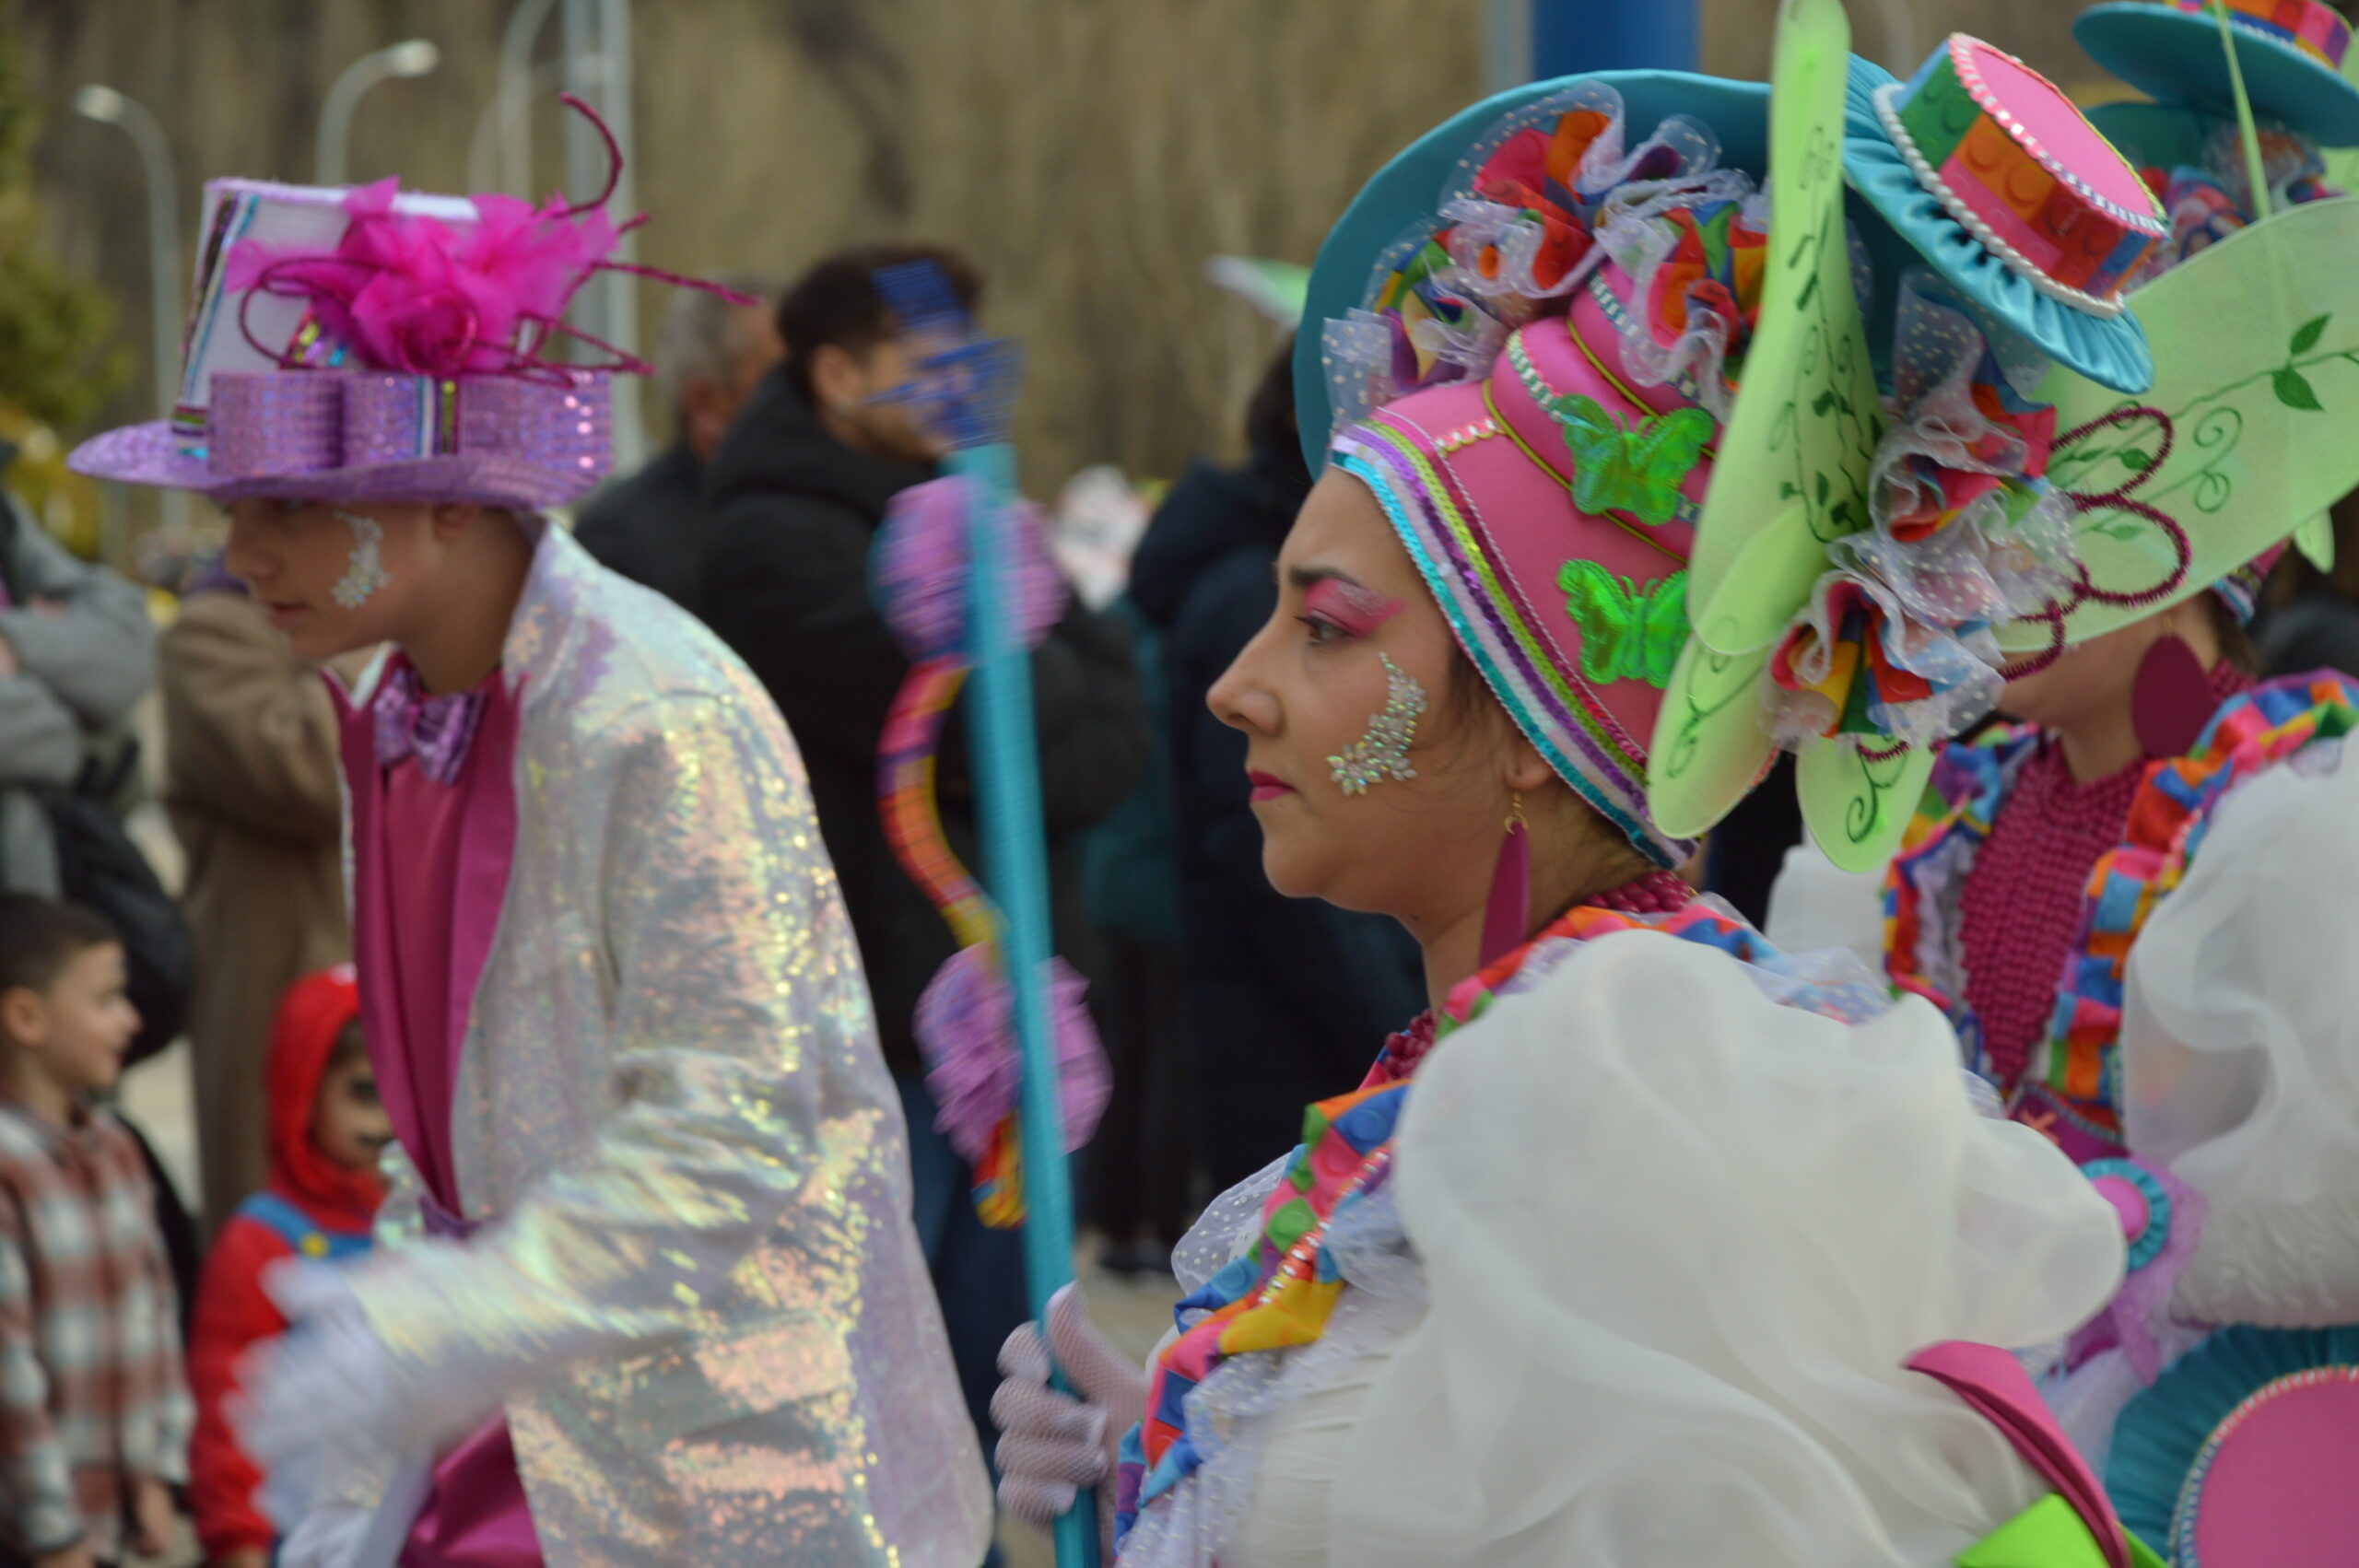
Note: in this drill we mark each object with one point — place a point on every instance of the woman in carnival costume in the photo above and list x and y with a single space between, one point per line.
2136 904
1649 1244
667 1306
2044 847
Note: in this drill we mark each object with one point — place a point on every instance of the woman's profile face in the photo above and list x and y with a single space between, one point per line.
1375 778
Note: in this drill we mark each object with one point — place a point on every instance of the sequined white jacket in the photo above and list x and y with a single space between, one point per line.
698 1291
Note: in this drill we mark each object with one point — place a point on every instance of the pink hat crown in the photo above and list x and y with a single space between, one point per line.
1546 479
1552 507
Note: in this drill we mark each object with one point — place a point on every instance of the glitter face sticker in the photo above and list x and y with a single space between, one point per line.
1383 751
366 573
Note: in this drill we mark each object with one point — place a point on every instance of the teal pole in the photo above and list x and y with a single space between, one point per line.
1016 868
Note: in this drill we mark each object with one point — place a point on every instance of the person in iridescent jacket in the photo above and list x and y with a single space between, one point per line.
655 1297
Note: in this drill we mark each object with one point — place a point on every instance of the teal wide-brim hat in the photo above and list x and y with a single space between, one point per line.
1985 170
1402 197
2290 53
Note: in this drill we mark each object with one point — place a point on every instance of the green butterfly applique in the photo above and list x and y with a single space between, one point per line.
1636 469
1629 631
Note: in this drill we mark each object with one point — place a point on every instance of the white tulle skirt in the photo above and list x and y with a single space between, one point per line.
1676 1241
2240 1047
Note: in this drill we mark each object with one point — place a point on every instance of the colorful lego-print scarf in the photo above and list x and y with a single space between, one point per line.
1280 1295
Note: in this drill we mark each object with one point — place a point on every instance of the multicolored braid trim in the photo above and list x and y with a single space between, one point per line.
2080 1079
1281 1294
912 817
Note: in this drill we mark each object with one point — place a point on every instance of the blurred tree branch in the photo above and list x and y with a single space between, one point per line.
58 361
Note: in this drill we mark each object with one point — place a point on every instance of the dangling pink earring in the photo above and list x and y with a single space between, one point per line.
2171 699
1511 904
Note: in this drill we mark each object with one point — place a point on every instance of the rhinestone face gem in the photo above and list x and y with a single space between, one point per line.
1383 751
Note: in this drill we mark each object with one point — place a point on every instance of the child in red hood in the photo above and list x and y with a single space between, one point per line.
326 1131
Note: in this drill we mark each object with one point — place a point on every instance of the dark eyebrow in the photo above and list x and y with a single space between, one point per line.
1304 578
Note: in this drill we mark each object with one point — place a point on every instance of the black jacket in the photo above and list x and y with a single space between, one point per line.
649 527
791 512
1289 999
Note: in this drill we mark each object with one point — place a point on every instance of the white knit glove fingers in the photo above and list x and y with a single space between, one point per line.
316 1398
328 1538
1052 1445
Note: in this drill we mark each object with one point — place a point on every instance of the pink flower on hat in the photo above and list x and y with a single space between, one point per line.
411 293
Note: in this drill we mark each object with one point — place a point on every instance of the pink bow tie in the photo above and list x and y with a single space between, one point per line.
436 731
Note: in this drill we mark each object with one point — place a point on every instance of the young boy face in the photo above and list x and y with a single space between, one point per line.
335 578
74 1034
348 1121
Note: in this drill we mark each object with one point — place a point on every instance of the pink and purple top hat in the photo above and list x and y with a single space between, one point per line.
373 344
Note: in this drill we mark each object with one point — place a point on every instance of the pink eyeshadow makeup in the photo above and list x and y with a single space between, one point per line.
1356 610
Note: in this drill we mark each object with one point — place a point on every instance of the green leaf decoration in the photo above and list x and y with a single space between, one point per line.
1790 470
1638 469
2294 390
1792 458
1710 747
2314 539
2248 458
1629 631
1858 802
2305 337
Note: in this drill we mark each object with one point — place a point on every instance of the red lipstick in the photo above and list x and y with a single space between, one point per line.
1267 786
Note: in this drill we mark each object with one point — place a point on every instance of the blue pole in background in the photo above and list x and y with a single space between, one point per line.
1572 36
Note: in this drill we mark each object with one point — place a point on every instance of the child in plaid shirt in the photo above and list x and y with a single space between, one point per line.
94 1414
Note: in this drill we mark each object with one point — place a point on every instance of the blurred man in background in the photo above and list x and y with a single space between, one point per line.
77 653
797 494
650 526
250 755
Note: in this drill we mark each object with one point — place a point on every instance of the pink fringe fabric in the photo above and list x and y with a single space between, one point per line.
968 1038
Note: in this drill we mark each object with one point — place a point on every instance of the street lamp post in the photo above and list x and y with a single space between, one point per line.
514 100
411 57
598 68
109 107
494 162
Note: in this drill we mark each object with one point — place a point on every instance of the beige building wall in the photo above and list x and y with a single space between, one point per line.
1091 154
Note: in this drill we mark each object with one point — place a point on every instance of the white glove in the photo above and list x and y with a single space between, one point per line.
316 1399
1052 1445
329 1536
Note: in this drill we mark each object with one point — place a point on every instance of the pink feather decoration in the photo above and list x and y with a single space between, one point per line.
920 565
969 1042
410 293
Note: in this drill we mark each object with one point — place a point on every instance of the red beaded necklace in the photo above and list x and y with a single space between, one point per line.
1659 892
